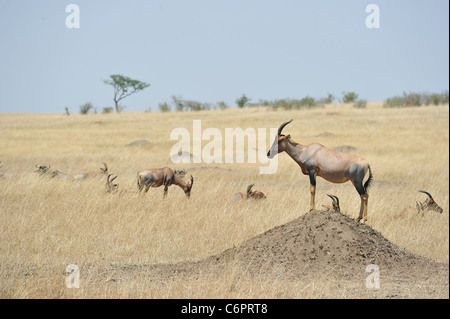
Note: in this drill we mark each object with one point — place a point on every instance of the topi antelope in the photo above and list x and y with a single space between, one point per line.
254 194
334 205
45 170
103 171
110 186
428 204
156 177
334 166
249 194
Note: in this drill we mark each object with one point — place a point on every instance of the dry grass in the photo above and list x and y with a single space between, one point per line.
46 224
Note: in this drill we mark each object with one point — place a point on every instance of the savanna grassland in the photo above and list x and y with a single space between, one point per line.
48 223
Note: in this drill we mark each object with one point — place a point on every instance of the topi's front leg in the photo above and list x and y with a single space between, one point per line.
312 190
363 208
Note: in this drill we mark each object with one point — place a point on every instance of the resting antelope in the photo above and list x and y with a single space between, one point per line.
428 204
156 177
113 188
250 194
45 170
110 186
334 205
103 171
334 166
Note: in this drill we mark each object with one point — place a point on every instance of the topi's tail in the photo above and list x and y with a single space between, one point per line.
369 181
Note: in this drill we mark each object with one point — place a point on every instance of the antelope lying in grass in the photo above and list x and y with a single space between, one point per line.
156 177
334 166
334 205
45 170
102 172
112 188
428 205
249 194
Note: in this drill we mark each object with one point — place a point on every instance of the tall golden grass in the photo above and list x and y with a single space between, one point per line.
46 224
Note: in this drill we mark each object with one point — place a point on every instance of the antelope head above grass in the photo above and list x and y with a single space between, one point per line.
428 204
111 187
250 194
334 204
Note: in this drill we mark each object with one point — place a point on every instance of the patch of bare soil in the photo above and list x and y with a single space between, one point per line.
325 243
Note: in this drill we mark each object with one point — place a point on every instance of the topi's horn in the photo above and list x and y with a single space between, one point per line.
429 195
282 126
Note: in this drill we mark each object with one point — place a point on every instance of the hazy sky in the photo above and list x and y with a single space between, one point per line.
213 50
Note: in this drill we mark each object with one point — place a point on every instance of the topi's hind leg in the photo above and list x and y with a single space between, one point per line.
363 209
364 200
312 190
148 181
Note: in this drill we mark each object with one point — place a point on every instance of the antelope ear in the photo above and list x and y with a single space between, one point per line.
288 136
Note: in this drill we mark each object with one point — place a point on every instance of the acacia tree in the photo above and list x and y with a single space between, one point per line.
123 87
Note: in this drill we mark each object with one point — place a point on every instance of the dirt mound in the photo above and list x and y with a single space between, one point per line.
323 244
319 241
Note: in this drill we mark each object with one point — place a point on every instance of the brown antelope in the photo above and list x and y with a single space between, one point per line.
110 186
428 204
334 205
249 194
103 171
254 194
45 170
156 177
334 166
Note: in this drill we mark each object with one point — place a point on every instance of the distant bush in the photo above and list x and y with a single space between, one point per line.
264 102
107 109
417 99
308 101
395 101
242 101
413 99
164 107
222 105
189 105
192 105
349 97
435 98
290 103
86 107
327 100
360 104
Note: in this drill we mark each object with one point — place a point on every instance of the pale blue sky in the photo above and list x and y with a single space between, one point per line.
213 50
